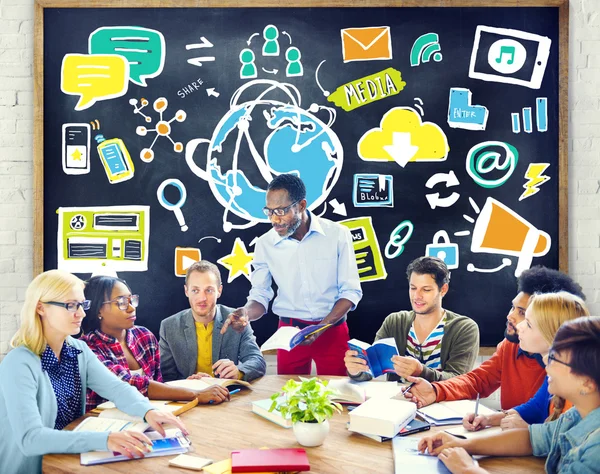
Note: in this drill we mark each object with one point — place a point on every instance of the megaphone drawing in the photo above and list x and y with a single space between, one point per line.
500 230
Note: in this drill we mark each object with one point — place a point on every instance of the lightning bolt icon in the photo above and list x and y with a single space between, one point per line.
534 175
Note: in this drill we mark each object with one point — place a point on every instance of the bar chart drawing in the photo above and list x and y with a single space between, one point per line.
541 117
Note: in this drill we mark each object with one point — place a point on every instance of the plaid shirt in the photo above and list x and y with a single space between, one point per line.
144 347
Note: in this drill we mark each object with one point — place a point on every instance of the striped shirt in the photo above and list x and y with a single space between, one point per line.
429 352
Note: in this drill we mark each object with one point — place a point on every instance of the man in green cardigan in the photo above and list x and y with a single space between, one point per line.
433 343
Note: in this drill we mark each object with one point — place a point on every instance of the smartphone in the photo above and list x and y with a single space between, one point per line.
76 148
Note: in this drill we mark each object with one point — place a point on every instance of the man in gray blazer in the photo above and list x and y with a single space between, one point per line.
231 355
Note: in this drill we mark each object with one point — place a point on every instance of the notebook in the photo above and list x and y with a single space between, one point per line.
101 425
407 458
461 432
254 460
451 413
261 408
413 427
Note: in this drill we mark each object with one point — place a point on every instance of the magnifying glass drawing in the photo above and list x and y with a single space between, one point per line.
176 208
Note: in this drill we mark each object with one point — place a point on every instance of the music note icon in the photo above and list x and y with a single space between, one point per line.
508 50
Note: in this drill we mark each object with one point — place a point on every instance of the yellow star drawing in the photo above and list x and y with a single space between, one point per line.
238 261
76 155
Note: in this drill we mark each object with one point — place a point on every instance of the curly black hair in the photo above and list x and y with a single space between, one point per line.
540 279
291 183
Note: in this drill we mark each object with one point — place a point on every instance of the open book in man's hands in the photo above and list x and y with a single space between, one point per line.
288 337
378 356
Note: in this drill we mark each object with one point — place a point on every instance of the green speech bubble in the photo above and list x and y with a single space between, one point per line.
368 89
143 48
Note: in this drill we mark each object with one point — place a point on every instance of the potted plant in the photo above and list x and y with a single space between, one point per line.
308 403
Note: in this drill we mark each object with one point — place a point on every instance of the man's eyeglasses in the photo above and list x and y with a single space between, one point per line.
552 358
71 307
280 211
123 302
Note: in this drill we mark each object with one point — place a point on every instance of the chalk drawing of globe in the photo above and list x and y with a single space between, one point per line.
268 135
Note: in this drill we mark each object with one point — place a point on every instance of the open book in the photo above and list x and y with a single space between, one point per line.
451 413
174 443
111 425
378 356
288 337
108 410
408 459
205 382
462 432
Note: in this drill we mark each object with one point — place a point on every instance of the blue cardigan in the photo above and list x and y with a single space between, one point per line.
28 409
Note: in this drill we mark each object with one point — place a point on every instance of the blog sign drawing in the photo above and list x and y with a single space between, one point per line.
90 238
297 140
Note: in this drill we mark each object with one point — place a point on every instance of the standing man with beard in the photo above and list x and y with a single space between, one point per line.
313 264
518 373
433 343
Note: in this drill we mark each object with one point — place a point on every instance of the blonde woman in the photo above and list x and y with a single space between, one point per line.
546 313
43 382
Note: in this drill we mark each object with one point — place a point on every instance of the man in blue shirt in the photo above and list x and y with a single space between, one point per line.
313 264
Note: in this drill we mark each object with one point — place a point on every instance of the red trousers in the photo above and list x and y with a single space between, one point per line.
327 352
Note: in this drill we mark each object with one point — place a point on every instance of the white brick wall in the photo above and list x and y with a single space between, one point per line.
16 179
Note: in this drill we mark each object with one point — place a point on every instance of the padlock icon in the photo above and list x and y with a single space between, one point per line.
442 248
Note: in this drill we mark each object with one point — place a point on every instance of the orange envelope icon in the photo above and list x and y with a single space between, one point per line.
366 44
184 258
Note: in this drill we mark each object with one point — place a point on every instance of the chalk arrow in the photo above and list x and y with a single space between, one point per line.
449 178
212 92
198 61
401 150
253 243
274 71
338 208
435 200
250 39
204 43
288 35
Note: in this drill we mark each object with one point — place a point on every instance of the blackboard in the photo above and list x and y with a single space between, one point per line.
428 129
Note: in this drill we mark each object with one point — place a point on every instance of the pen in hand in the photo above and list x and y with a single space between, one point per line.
411 385
477 405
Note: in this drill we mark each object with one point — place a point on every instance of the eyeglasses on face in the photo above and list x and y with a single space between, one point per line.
280 211
123 302
72 306
552 358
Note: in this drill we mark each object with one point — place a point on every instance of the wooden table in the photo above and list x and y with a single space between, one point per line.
217 430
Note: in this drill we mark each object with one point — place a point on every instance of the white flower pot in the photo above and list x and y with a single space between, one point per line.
311 434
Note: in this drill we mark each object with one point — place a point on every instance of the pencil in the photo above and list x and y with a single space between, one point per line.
318 330
477 405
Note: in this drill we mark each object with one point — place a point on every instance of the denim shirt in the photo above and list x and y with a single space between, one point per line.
571 443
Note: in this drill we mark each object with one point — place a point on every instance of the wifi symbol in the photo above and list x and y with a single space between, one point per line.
425 46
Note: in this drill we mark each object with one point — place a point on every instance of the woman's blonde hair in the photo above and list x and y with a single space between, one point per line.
53 285
550 310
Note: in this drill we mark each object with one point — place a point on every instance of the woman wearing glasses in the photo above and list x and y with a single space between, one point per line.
536 334
129 351
44 378
572 442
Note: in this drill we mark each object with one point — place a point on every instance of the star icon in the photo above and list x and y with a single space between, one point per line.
238 261
76 155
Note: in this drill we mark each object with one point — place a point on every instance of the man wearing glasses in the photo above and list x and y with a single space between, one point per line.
433 343
313 264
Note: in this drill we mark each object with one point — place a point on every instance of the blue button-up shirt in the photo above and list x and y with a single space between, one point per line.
571 443
66 383
311 274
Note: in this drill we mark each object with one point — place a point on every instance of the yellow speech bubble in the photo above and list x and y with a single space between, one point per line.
94 77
